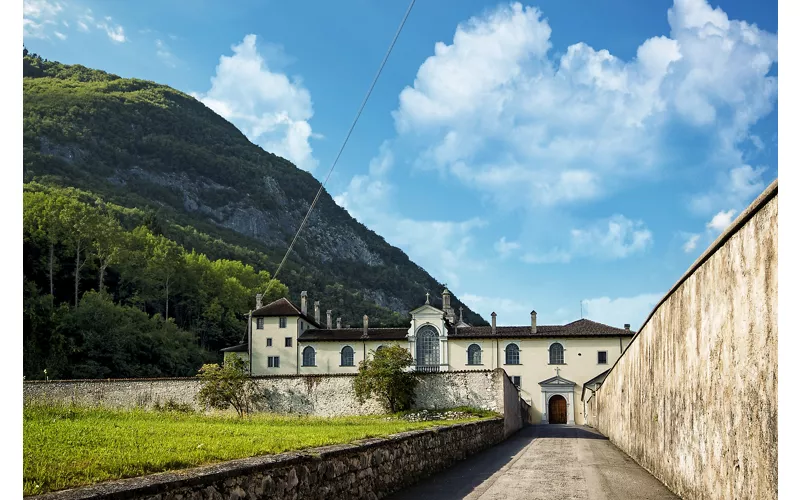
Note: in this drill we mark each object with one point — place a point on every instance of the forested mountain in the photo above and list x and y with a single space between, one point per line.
168 211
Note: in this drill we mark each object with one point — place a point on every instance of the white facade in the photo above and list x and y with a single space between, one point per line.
548 362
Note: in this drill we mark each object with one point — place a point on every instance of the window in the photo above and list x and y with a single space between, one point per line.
512 354
309 356
602 357
556 354
269 341
288 342
428 346
282 323
347 356
474 354
516 381
259 323
379 348
273 362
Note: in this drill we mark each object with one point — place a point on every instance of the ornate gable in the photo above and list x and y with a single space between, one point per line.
557 381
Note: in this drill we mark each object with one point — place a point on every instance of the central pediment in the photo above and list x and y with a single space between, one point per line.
558 381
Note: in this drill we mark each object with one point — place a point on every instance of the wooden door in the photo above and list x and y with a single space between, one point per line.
557 410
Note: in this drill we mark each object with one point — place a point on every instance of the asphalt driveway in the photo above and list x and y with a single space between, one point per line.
547 462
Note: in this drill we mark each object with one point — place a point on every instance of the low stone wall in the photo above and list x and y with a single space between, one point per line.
369 469
320 395
694 397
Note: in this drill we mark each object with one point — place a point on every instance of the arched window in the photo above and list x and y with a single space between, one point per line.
347 356
428 347
379 348
474 354
556 354
309 356
512 354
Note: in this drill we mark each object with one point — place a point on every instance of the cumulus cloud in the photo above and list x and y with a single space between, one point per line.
496 110
691 242
721 220
620 310
441 247
616 237
271 109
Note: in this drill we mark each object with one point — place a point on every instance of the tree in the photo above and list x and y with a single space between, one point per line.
386 377
228 385
107 245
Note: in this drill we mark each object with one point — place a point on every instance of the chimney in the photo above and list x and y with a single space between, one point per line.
494 323
258 300
366 325
461 314
316 311
533 321
329 323
338 323
627 326
304 302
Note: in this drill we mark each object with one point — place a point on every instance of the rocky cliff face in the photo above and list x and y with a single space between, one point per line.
139 143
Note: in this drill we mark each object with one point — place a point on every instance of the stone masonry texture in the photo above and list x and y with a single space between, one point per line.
694 398
319 395
369 469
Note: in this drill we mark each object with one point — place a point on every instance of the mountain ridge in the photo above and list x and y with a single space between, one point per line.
141 144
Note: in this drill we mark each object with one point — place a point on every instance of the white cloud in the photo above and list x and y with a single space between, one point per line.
61 36
691 242
441 247
735 188
504 248
616 312
37 15
166 56
115 32
501 114
721 220
616 237
271 109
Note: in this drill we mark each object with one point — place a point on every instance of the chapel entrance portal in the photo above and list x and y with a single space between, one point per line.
557 410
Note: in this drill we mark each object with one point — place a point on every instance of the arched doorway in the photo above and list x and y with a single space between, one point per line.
557 410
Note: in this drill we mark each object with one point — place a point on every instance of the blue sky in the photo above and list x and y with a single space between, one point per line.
531 155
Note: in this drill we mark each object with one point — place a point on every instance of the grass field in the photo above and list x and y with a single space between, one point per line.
65 447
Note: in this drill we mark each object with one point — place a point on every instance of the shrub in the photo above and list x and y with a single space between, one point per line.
227 386
385 375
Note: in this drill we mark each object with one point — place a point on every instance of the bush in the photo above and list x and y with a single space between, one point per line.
386 377
227 386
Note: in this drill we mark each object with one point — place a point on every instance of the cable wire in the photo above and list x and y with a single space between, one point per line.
347 137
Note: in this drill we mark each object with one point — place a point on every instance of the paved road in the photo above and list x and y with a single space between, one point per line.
547 462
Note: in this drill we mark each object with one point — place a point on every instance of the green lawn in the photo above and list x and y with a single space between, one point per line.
67 447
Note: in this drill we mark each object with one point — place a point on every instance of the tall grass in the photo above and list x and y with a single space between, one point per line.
68 446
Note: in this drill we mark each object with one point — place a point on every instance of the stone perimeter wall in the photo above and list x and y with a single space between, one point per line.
368 469
694 398
319 395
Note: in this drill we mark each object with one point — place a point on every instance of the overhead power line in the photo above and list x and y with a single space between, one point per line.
347 137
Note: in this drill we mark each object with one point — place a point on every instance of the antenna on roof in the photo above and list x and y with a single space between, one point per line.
581 309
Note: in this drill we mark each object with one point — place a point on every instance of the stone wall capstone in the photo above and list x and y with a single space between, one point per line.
694 397
369 469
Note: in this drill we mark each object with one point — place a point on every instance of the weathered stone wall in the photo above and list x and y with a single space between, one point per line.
368 469
321 395
510 403
694 398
